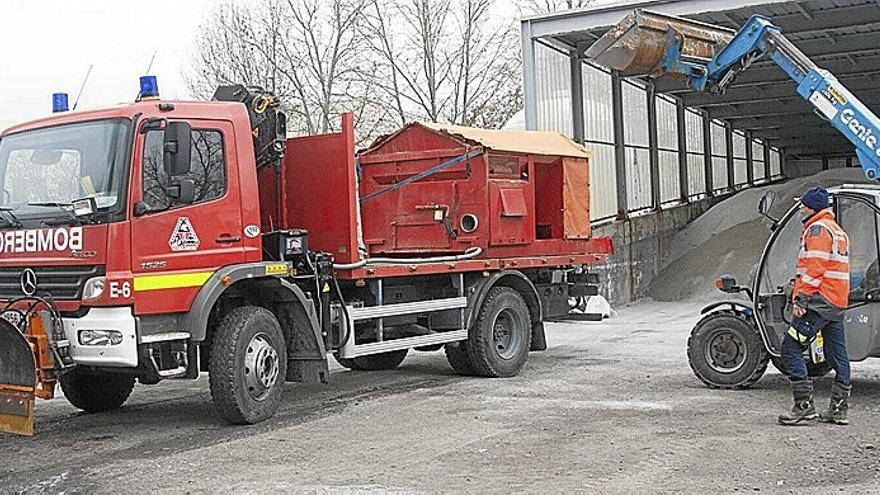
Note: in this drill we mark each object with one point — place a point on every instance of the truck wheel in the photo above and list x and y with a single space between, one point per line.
498 343
725 351
248 365
456 354
94 391
374 362
814 370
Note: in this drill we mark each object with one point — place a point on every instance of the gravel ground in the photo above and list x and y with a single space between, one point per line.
611 407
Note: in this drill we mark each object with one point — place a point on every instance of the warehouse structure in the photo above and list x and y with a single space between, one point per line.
658 144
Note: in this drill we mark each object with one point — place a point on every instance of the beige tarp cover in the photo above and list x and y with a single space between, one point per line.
516 141
576 198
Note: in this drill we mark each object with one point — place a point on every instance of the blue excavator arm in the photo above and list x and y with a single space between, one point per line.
759 38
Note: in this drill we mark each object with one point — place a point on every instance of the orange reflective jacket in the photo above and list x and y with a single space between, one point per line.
823 262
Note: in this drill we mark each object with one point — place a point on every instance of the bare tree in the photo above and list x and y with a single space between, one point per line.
389 62
306 51
445 60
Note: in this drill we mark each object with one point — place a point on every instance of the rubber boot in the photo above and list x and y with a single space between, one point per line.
839 405
804 410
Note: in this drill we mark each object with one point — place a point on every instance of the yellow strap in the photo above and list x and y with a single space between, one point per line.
172 281
797 335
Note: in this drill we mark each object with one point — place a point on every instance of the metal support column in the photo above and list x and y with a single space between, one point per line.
708 168
767 173
825 163
530 90
750 161
653 147
577 96
731 171
380 300
849 162
681 118
619 148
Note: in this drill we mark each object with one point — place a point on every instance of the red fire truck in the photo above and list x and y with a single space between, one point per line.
161 239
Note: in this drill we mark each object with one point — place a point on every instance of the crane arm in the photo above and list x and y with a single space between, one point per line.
710 59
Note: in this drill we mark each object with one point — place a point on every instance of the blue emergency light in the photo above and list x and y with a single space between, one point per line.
149 87
59 102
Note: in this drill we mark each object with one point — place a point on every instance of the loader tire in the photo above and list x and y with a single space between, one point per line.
95 391
248 365
725 351
456 354
498 342
374 362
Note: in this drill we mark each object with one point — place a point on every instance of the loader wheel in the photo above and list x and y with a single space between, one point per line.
726 351
374 362
498 343
95 391
248 365
814 370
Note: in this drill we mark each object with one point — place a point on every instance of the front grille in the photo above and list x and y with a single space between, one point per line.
60 282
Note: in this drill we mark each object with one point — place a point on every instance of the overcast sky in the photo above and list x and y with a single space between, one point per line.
48 45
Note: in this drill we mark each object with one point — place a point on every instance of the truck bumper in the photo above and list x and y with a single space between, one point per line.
123 354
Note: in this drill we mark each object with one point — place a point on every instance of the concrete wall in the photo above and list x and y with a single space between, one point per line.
640 244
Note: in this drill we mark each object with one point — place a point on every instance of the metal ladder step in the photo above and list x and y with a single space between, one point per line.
406 343
408 308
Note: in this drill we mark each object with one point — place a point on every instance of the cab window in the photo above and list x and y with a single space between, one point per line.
208 169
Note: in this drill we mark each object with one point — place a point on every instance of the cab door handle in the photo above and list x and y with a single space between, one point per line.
227 239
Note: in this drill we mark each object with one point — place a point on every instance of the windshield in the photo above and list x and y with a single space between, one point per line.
60 164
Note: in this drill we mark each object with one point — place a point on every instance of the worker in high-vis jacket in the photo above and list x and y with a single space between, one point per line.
820 296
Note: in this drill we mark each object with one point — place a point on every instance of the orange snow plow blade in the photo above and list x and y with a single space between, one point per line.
637 44
18 381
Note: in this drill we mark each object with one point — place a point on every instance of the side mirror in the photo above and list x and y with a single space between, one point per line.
764 206
182 191
177 148
766 202
726 283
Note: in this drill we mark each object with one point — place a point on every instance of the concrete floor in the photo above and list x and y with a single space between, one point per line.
611 407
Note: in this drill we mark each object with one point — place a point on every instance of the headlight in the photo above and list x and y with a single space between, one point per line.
94 288
100 337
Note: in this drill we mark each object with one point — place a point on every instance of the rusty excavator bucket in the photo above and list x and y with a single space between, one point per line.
18 381
637 45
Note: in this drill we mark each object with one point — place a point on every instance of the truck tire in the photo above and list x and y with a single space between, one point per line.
248 365
456 354
814 370
94 391
498 343
374 362
725 351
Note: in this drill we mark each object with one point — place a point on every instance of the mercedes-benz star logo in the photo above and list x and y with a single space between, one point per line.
28 282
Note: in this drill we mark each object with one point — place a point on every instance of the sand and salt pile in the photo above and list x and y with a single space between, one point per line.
729 238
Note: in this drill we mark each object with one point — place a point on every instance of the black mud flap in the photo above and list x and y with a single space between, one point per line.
18 379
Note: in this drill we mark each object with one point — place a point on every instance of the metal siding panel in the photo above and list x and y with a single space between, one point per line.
639 177
758 161
553 88
775 164
635 119
696 165
669 179
696 174
603 182
598 113
719 172
667 124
